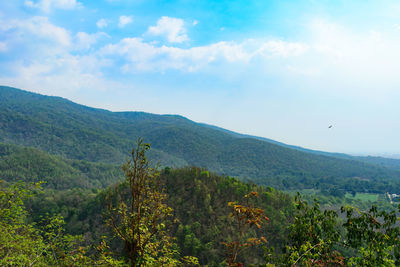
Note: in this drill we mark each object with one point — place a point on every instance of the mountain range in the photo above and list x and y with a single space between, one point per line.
77 133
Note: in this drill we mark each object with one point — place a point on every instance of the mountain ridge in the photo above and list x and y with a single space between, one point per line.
62 127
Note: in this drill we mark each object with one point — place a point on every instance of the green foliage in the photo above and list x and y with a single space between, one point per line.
199 203
201 217
137 213
364 238
33 165
58 126
26 244
245 217
18 241
375 235
313 237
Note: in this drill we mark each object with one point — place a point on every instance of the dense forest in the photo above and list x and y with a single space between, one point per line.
66 201
83 134
186 217
34 165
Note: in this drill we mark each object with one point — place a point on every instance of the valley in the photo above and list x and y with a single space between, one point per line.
76 153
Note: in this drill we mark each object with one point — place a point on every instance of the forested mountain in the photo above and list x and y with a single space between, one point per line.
202 224
63 128
200 210
29 164
78 152
392 163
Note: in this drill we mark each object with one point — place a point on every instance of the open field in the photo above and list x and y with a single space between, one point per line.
364 197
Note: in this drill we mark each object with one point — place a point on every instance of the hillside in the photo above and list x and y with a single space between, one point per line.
61 127
33 165
201 212
391 163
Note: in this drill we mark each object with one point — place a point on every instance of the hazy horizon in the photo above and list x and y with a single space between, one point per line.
283 70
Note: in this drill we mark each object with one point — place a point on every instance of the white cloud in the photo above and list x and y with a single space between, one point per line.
332 59
142 56
43 58
3 47
62 75
124 20
342 61
375 36
40 28
85 41
171 28
281 48
45 37
48 5
101 23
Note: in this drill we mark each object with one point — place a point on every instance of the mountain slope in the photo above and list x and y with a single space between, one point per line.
62 127
380 161
33 165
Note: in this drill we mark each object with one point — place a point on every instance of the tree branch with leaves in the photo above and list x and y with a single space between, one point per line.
137 213
245 216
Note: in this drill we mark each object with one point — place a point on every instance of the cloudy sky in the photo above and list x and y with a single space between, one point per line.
284 70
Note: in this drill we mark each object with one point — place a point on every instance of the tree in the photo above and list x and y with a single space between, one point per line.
365 238
137 213
245 216
313 237
374 235
26 244
19 242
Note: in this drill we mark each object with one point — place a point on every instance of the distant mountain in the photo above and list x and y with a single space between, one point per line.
61 127
393 163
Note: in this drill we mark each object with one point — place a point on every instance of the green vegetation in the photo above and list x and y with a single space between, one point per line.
137 212
364 197
362 201
201 217
32 165
245 216
200 202
364 238
43 244
77 132
308 235
87 214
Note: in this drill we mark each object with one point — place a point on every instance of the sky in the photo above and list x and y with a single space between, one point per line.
284 70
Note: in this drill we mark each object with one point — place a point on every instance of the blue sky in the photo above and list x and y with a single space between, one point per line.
284 70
